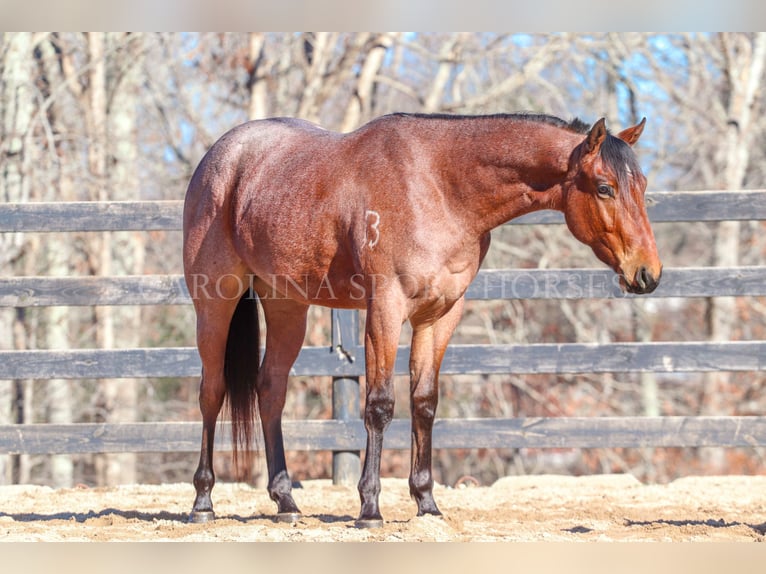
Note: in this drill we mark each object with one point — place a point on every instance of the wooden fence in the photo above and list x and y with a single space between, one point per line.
345 433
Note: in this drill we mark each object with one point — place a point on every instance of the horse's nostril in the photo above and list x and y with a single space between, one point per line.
643 278
644 281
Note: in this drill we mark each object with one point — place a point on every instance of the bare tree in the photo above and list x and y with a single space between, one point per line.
16 114
56 321
743 59
127 248
360 105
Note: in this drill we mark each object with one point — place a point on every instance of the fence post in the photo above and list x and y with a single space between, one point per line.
346 465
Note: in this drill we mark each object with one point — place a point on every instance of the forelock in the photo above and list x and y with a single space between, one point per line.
621 159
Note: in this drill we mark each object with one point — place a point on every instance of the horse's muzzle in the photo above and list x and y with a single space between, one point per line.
643 282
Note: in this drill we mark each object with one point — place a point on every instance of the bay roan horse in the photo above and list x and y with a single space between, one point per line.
394 218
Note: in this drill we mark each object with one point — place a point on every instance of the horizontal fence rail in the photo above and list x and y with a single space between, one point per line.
541 358
572 432
662 206
490 284
344 359
91 216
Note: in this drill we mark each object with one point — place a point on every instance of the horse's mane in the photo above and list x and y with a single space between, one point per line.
575 125
614 150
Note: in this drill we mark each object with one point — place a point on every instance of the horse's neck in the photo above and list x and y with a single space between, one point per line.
510 172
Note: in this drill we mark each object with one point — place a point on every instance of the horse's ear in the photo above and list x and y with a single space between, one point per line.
596 137
631 135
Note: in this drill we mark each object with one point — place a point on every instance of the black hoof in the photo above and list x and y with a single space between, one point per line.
201 516
369 523
288 517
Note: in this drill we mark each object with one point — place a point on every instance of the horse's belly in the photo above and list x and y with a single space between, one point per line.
327 290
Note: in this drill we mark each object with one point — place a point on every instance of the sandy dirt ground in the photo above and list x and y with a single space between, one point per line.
533 508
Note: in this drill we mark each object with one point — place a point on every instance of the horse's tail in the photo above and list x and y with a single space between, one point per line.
240 372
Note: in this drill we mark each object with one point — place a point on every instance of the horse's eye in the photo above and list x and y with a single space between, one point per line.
605 190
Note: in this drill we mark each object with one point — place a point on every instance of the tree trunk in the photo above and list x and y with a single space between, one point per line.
16 114
122 252
745 64
360 104
55 321
318 49
449 56
116 398
258 105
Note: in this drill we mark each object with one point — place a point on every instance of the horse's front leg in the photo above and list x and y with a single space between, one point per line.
429 342
383 326
286 328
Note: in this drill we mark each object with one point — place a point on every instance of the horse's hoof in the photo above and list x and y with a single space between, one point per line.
431 513
288 517
369 523
201 516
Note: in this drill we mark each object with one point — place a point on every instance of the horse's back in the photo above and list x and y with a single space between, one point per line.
263 190
245 155
254 142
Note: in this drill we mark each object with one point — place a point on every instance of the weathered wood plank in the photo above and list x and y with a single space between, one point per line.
575 432
604 284
684 206
167 215
571 358
86 291
600 432
91 216
489 284
100 364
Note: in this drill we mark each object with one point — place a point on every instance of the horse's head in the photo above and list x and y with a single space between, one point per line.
604 206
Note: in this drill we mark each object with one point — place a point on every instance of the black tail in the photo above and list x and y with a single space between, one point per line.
243 358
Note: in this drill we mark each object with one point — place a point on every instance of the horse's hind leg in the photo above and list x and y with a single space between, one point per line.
213 319
285 331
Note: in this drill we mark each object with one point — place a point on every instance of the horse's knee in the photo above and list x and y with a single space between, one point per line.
379 410
424 407
424 398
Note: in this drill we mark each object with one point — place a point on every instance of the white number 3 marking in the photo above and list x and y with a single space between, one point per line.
373 224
